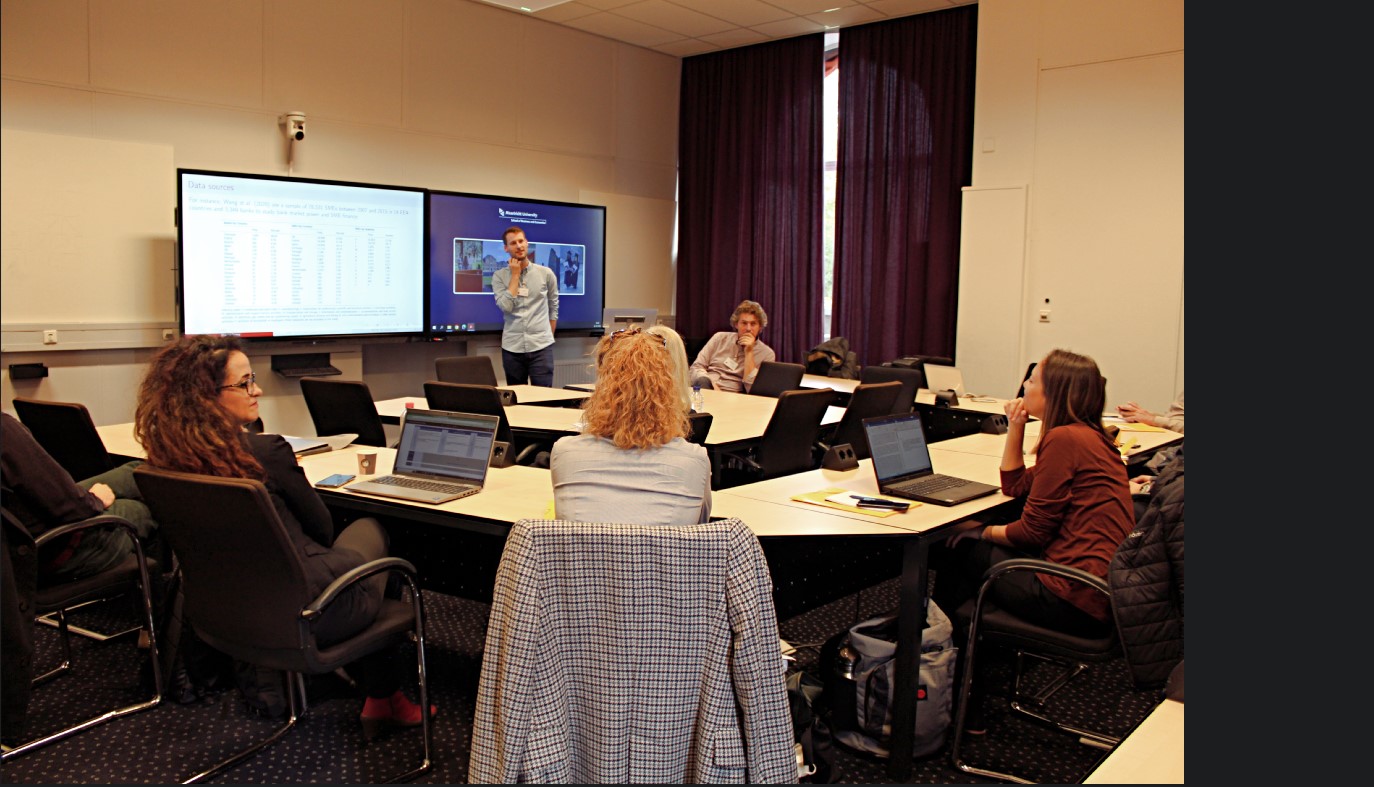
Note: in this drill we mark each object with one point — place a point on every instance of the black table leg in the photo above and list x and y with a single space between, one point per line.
911 619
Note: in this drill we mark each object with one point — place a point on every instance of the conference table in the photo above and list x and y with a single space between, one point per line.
766 507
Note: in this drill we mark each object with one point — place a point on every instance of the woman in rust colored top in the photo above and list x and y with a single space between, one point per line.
1077 504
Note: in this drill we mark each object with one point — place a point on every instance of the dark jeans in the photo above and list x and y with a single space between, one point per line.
533 368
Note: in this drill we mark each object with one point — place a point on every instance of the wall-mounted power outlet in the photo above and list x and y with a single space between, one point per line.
169 334
50 336
1044 315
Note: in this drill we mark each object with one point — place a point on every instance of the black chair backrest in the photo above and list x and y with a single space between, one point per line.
66 431
867 401
1020 392
343 407
796 423
774 377
911 380
470 369
243 580
464 398
701 426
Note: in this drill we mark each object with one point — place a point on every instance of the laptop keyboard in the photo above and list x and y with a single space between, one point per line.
931 485
416 483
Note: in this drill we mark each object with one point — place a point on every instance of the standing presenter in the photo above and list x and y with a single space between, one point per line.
527 295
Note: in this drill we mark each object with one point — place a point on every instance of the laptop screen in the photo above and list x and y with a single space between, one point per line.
444 444
944 378
898 446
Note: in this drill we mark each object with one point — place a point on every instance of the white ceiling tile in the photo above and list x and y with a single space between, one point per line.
606 5
739 37
525 5
669 16
564 12
686 47
896 8
610 25
740 12
808 7
852 15
789 27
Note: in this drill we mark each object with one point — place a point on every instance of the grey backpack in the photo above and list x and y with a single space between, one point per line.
874 643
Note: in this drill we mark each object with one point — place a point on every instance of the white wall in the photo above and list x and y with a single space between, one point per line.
1080 102
446 94
1079 110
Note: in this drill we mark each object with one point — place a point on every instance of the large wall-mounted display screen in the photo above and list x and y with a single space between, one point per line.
269 257
466 248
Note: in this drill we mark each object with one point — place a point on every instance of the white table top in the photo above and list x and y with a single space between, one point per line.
919 518
520 492
737 417
992 444
1151 754
534 394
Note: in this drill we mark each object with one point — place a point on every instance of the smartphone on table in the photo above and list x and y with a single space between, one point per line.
334 481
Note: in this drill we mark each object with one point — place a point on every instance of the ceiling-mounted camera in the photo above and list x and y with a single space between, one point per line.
293 123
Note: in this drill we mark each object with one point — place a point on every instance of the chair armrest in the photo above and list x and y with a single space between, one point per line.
102 520
353 576
1043 567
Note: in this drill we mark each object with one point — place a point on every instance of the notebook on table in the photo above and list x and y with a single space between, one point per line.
901 461
441 456
944 378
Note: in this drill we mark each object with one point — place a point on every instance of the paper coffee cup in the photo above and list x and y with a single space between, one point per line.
367 462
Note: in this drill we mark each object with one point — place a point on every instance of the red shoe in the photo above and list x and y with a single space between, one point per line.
380 714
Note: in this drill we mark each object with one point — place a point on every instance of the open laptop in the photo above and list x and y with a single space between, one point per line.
442 456
944 378
901 461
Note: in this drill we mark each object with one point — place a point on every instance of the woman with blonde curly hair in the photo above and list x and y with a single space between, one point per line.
632 462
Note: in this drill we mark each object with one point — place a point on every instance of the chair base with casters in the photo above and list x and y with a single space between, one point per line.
991 625
130 574
395 617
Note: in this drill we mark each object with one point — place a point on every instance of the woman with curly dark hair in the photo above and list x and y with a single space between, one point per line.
632 462
194 405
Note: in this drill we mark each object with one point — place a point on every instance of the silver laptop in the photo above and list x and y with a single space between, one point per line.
901 461
944 378
442 456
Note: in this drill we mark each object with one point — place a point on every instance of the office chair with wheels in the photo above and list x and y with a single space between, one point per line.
245 588
716 710
911 379
867 401
483 400
786 445
990 625
343 407
470 369
56 596
775 377
66 431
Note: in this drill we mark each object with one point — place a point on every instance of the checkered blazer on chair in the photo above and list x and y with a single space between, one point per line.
631 653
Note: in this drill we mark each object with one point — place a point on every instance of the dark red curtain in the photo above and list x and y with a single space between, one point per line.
749 191
905 150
